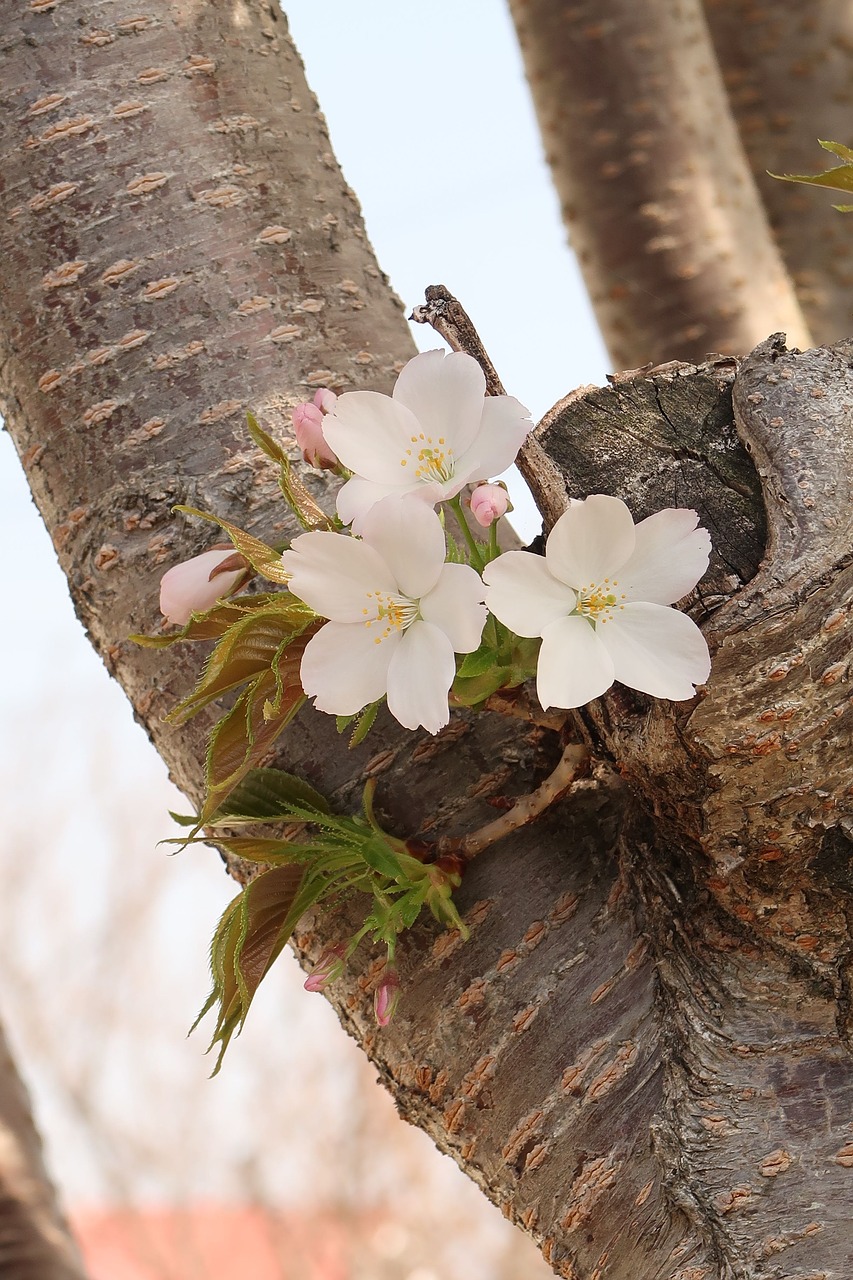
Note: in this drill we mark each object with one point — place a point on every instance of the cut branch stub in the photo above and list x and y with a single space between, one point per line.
760 762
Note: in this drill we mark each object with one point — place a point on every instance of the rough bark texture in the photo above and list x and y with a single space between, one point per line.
35 1243
655 188
641 1054
788 69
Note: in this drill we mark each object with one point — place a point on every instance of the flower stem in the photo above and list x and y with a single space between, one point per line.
494 550
525 810
474 546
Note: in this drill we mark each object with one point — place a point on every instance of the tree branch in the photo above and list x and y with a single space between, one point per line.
656 191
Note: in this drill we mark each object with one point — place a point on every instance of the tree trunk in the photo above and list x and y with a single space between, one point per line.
35 1243
655 188
631 1053
787 69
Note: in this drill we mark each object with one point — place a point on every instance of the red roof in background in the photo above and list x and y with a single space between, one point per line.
215 1242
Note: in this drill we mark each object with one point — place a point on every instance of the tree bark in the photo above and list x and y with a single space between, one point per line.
655 188
787 70
631 1053
35 1243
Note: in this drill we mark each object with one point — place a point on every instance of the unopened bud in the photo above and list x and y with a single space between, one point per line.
325 400
308 429
488 503
195 585
386 997
328 969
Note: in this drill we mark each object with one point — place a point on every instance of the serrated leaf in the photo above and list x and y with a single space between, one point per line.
258 849
183 819
250 935
473 692
454 555
245 734
263 559
248 647
838 179
366 720
379 858
264 440
267 795
837 149
309 513
478 663
215 622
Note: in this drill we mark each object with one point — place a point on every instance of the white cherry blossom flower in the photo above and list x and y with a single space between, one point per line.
599 597
435 434
397 614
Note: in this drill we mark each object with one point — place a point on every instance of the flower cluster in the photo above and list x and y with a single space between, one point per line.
400 606
406 598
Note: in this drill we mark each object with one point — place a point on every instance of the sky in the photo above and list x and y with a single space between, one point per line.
430 117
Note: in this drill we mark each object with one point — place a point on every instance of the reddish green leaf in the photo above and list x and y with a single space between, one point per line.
263 559
248 647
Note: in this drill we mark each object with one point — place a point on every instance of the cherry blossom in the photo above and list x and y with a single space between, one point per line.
386 997
307 420
397 614
195 585
599 597
488 503
436 433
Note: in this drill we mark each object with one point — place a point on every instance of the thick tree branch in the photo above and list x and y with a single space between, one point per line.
656 191
787 69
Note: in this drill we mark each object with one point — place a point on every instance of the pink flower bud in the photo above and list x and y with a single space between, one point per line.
194 586
386 997
488 503
328 969
308 429
325 400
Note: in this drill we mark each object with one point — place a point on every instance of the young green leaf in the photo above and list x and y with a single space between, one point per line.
268 795
837 179
263 559
251 933
248 647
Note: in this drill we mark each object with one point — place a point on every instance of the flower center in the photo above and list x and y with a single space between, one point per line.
432 459
393 614
597 602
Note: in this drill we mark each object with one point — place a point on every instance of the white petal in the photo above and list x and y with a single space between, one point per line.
455 606
419 677
670 557
408 536
344 669
370 433
524 595
445 393
358 496
656 650
574 667
504 426
590 541
334 573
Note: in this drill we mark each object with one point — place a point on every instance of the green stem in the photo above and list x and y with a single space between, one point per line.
494 549
473 545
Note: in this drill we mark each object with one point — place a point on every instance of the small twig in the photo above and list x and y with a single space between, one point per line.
525 810
518 704
450 319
